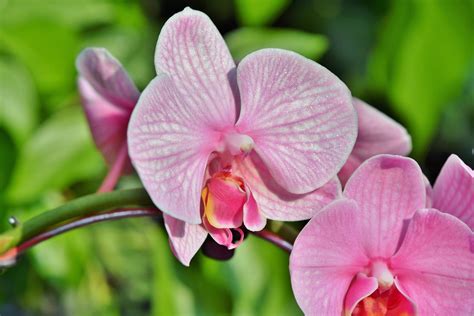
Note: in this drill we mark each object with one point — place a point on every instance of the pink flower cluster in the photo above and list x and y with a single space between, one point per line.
222 148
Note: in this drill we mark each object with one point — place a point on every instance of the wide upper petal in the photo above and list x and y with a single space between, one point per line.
194 54
169 150
327 255
185 239
434 265
108 78
378 133
299 115
388 189
453 191
107 122
275 202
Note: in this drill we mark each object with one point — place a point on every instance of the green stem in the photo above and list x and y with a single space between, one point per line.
80 207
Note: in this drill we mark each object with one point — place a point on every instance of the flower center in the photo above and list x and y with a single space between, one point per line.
386 299
389 302
380 270
236 144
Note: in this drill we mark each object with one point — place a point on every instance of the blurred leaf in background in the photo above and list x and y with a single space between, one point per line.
259 12
422 60
62 143
246 40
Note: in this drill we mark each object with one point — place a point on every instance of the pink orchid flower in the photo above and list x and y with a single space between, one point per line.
108 97
453 191
377 134
220 147
379 251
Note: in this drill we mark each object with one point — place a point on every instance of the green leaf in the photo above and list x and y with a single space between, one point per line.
18 100
7 160
58 154
47 48
429 67
67 12
246 40
259 12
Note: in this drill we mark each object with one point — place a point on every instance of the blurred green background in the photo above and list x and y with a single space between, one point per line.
413 59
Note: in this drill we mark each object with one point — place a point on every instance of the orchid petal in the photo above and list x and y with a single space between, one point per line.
299 115
107 122
378 133
169 151
361 287
185 239
348 169
194 54
107 76
453 191
388 189
429 192
434 265
254 220
327 255
276 203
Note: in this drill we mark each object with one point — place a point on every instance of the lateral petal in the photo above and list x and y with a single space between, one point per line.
170 150
299 115
275 202
388 189
185 239
434 265
192 52
453 191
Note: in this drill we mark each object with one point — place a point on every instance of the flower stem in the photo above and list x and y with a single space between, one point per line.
115 171
8 258
275 239
95 208
80 207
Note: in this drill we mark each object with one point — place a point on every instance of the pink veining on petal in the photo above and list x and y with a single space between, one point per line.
434 260
453 191
299 115
192 52
169 150
388 189
327 255
275 202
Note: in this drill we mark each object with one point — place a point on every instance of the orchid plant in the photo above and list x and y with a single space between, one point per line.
226 150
